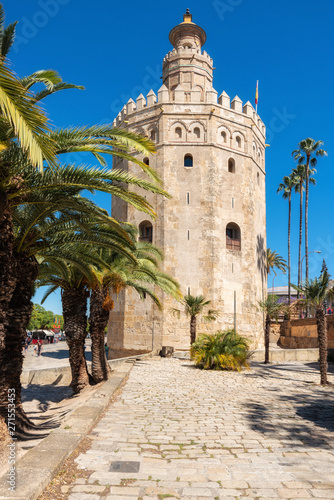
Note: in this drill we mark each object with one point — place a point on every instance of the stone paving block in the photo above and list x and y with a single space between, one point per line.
83 496
87 488
125 490
329 494
196 492
117 497
261 492
295 493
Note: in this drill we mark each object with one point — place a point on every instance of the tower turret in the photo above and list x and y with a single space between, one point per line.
186 65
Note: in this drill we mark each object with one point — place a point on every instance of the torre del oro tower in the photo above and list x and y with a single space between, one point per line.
211 159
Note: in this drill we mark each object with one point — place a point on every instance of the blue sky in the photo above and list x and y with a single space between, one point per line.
115 49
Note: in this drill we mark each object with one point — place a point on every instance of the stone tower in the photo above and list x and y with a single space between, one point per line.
211 158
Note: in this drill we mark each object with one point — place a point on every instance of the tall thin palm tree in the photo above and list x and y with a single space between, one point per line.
299 174
271 308
287 187
193 307
306 154
315 292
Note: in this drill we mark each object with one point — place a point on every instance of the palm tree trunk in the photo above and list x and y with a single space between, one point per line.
18 316
322 338
306 223
98 321
289 256
7 277
306 214
300 278
193 321
74 302
266 340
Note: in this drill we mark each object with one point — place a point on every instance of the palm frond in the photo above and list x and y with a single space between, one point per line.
27 120
48 77
56 88
7 39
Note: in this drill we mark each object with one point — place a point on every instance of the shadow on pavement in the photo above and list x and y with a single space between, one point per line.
63 354
303 418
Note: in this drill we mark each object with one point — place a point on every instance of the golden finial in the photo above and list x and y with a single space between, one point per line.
187 17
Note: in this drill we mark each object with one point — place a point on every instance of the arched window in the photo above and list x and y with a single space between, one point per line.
153 136
258 178
233 237
238 141
231 165
223 134
197 133
146 161
188 160
146 231
178 132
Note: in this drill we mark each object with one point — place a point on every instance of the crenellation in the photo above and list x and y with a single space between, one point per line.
123 113
151 98
141 102
248 109
211 96
224 100
130 106
236 104
163 94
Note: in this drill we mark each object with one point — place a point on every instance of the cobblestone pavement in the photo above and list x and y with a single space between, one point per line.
179 432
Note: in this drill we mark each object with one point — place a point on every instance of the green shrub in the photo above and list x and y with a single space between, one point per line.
222 351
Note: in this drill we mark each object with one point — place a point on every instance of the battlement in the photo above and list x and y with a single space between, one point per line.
180 96
187 51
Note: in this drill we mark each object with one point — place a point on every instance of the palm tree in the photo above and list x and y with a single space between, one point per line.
26 143
37 200
109 271
274 260
72 275
315 292
299 174
144 276
42 236
193 306
271 309
287 186
222 351
24 186
307 148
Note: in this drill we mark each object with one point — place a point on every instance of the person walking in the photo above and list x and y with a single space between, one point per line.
39 347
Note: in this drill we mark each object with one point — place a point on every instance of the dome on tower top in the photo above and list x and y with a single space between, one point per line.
187 33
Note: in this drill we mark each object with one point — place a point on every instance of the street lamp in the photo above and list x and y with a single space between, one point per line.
301 263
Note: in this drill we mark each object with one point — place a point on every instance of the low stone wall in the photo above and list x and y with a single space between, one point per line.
61 375
302 333
286 355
